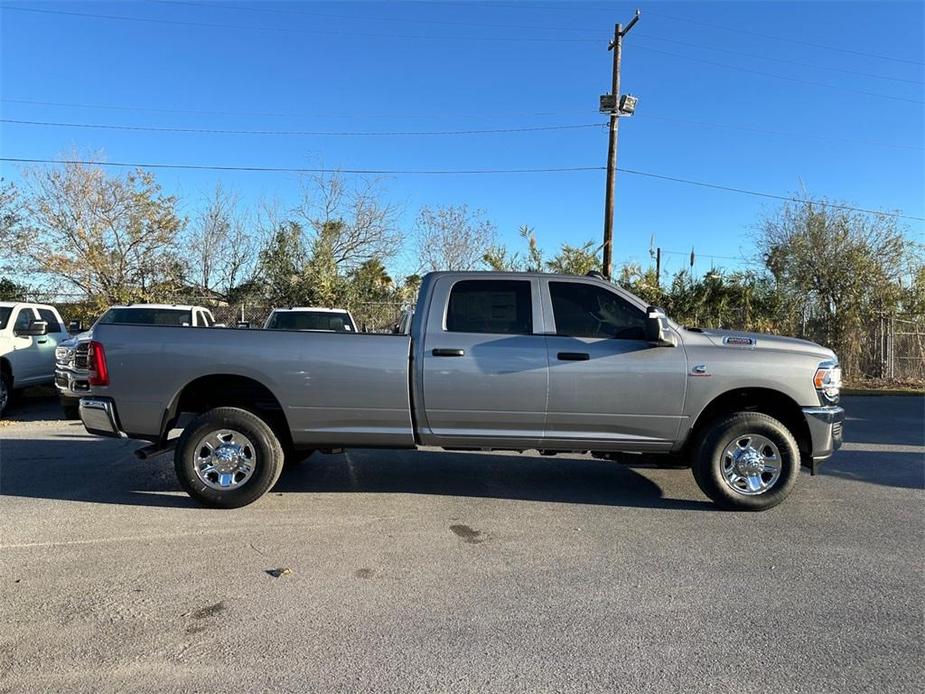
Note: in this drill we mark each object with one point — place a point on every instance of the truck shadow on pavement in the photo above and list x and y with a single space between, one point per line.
65 466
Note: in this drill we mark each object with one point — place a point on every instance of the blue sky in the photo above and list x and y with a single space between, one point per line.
768 97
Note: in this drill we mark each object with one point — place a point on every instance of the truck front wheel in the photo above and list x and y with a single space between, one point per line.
6 392
746 461
228 458
70 408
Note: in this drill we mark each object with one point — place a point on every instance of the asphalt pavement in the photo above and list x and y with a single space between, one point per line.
459 572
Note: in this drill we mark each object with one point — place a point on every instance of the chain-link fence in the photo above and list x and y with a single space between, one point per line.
373 317
899 348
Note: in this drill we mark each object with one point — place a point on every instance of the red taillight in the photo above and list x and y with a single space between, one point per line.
96 361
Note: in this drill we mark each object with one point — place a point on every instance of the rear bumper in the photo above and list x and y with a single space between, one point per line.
825 430
99 417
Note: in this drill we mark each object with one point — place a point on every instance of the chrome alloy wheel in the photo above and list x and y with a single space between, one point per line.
751 464
224 459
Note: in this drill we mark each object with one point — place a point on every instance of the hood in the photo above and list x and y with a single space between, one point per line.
74 339
737 339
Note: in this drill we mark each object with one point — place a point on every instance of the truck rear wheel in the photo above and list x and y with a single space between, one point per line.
746 461
228 458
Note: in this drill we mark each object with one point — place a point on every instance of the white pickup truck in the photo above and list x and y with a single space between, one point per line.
29 334
336 320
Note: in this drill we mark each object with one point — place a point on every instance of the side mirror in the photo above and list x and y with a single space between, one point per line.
658 332
75 326
36 328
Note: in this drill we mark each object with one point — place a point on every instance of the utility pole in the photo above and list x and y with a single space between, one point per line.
617 105
658 266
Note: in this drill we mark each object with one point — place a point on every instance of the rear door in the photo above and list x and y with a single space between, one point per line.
484 365
607 384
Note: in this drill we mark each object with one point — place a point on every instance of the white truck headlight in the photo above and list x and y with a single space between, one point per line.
827 379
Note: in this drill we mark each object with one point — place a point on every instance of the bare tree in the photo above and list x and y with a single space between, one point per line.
453 238
366 226
839 268
111 237
224 245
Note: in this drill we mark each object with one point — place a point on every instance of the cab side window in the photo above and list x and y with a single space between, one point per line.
586 310
503 307
23 320
53 325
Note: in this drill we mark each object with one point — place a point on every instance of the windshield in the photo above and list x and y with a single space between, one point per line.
5 312
310 320
146 316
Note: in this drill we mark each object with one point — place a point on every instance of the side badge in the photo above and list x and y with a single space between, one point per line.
739 341
700 370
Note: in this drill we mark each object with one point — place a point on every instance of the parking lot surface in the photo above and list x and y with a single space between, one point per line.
425 571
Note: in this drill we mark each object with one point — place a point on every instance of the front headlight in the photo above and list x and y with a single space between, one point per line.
827 380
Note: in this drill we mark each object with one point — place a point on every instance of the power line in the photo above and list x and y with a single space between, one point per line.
786 198
453 172
784 133
149 109
788 39
647 115
735 30
846 71
357 133
316 32
513 37
400 20
416 20
781 77
287 169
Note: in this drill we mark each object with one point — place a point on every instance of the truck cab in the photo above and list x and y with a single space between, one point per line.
29 334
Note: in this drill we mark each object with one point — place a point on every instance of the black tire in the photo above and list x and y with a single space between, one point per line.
6 392
708 461
267 457
70 408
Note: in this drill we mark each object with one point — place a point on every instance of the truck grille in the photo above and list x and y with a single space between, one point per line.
80 356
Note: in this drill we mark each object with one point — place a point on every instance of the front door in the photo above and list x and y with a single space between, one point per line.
27 358
484 364
607 384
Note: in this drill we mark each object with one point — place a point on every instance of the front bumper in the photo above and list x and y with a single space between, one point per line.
825 431
71 384
99 417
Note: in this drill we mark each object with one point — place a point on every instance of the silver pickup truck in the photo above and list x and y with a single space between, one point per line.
509 361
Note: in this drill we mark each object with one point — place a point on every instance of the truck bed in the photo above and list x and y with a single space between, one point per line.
335 389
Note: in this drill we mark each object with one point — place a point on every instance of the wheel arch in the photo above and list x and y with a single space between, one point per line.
768 401
228 390
6 368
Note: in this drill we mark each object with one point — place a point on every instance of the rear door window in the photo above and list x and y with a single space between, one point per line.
503 307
